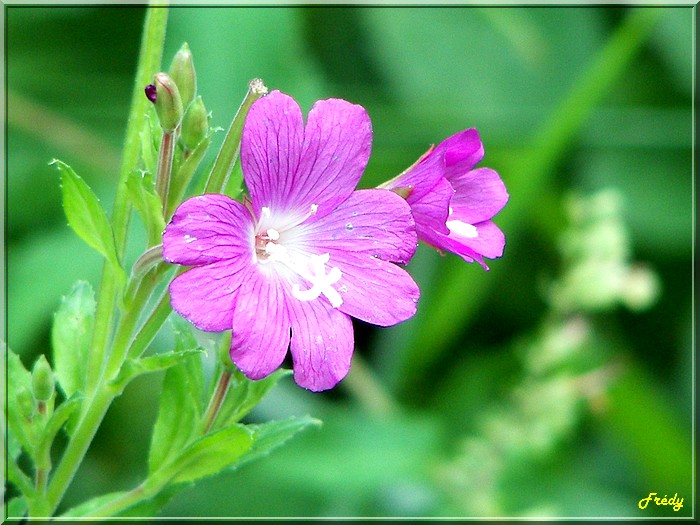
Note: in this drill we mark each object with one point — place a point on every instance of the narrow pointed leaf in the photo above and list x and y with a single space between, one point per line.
87 217
133 368
71 333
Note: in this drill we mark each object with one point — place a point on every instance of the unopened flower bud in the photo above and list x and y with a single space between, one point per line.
195 125
183 74
168 102
25 403
43 382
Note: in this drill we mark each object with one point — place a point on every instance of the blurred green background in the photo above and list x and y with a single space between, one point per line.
439 416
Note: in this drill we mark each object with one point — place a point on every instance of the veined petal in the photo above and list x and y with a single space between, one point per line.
462 151
488 242
208 228
205 295
374 222
270 150
431 211
260 329
479 195
322 344
373 290
337 145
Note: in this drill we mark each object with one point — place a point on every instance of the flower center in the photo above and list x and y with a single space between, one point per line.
270 248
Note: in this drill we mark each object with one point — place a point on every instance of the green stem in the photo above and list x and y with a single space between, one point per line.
99 395
164 171
226 158
216 401
149 62
364 387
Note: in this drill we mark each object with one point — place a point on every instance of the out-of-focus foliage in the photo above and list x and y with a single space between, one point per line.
415 424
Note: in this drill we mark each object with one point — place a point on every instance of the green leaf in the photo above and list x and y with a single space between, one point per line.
142 193
180 405
244 394
133 368
150 139
269 436
87 217
213 453
70 337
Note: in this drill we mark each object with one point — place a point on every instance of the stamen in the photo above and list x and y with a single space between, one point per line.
273 234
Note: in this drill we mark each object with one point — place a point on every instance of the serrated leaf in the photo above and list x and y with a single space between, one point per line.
142 193
213 453
71 333
179 413
244 394
87 218
268 436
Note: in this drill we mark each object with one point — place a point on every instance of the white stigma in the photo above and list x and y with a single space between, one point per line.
311 268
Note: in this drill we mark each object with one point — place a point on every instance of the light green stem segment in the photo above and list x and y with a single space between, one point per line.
99 395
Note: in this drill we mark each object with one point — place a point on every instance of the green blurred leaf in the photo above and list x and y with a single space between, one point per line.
142 193
87 217
180 406
70 337
244 394
16 508
213 453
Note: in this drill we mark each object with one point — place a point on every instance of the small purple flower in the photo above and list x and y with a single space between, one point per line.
453 202
304 254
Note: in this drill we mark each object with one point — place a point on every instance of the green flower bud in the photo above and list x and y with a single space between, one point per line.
43 382
168 102
182 72
25 403
195 125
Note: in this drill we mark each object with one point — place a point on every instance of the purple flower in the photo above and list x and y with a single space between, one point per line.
304 254
453 202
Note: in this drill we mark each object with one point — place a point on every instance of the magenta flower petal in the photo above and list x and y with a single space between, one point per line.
431 211
200 231
291 167
261 325
205 294
374 222
375 291
337 145
322 344
270 150
462 151
479 195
